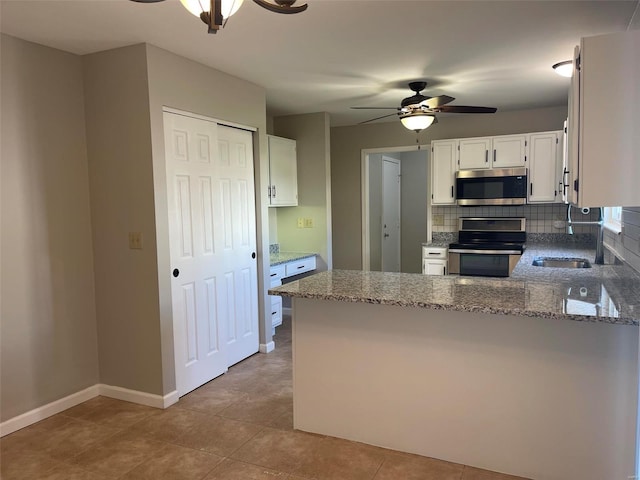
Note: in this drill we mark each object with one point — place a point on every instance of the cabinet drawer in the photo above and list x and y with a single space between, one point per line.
434 252
277 272
300 266
276 311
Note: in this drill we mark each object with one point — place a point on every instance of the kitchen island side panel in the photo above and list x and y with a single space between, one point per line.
539 398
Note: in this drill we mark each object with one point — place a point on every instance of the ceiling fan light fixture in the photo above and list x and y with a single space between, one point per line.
197 7
564 69
417 121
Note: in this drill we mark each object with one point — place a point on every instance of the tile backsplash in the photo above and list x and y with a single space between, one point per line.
540 218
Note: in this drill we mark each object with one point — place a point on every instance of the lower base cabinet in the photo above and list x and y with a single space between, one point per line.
434 260
280 272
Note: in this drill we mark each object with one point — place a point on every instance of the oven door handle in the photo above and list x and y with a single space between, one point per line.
487 252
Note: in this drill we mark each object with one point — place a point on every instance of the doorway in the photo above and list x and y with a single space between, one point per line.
400 251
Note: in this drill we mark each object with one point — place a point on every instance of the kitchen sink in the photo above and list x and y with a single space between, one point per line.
561 262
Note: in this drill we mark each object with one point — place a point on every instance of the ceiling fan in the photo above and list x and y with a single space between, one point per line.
417 112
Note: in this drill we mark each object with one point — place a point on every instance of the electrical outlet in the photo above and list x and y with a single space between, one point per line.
300 222
135 240
438 220
308 223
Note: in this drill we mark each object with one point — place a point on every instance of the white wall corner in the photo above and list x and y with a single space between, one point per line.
46 411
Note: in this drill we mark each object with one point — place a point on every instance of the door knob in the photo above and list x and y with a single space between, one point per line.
253 254
176 272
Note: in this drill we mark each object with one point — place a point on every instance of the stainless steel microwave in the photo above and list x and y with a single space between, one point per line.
497 186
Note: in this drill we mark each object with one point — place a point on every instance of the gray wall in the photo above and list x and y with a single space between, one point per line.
627 244
48 330
414 208
347 143
311 132
121 183
375 212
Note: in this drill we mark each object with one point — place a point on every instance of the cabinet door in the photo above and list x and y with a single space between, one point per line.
509 151
434 267
283 172
607 125
543 167
474 153
443 172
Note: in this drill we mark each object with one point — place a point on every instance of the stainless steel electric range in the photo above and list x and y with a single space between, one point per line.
489 247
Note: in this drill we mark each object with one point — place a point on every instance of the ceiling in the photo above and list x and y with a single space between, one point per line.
342 53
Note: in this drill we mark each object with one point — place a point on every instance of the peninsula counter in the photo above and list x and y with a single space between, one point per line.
508 375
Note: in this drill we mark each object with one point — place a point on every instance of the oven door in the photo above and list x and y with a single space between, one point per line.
485 263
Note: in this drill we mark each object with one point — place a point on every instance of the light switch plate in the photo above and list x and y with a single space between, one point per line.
308 223
300 222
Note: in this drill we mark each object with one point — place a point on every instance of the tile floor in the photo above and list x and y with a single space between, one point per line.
236 427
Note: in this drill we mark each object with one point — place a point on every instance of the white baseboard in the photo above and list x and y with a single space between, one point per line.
142 398
40 413
57 406
267 347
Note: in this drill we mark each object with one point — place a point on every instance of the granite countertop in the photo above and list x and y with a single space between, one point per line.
284 257
603 293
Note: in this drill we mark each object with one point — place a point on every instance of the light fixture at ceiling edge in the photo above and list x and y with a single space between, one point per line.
221 10
564 69
417 121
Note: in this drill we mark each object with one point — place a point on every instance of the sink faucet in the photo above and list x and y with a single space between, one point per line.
599 260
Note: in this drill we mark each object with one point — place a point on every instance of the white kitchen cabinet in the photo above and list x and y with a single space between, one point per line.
434 260
545 163
604 115
474 153
509 151
277 273
443 171
502 151
283 172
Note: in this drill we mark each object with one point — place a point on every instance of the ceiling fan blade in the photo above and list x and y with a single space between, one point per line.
377 118
435 102
375 108
465 109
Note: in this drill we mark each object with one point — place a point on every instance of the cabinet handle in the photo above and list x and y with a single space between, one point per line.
451 191
273 313
486 156
531 189
274 274
434 253
301 266
273 190
494 155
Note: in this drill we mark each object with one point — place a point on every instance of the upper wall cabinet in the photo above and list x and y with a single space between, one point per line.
545 167
443 171
493 152
283 172
604 121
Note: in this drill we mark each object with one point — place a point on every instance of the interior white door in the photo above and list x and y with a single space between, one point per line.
390 215
212 238
237 242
